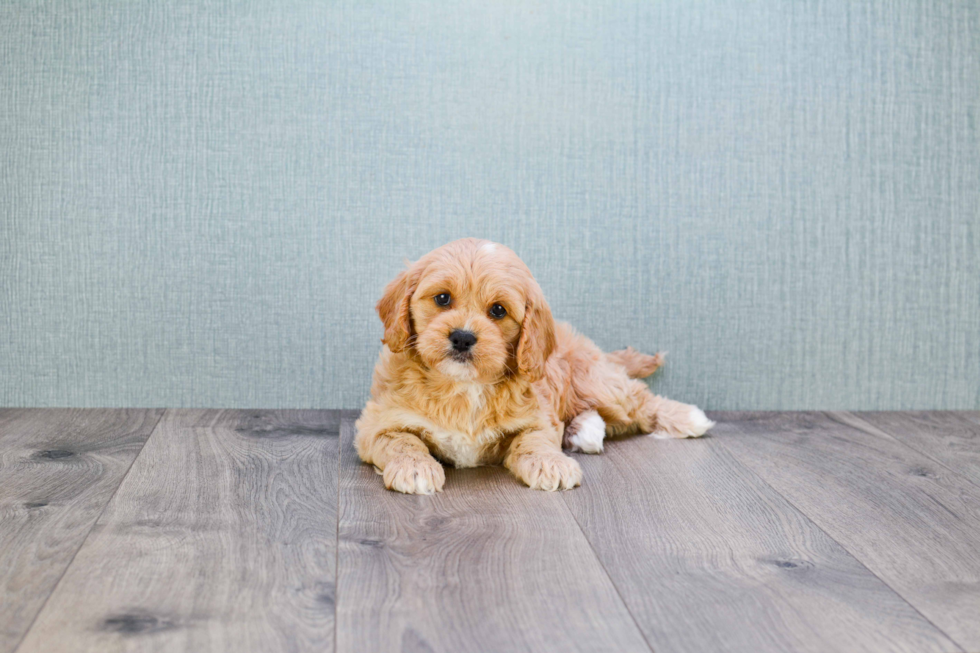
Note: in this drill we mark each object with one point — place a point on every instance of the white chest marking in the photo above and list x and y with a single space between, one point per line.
464 447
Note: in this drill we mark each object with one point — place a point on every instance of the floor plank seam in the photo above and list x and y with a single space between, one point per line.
902 442
853 555
81 545
857 479
606 572
336 548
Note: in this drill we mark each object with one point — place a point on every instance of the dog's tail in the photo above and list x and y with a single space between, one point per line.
638 365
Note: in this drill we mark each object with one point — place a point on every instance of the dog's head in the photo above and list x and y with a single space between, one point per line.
471 310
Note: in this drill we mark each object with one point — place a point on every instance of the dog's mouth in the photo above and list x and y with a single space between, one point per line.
461 356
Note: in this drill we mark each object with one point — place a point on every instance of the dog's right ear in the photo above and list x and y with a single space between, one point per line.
393 308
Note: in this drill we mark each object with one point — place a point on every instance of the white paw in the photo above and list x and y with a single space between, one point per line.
585 433
695 425
699 423
414 475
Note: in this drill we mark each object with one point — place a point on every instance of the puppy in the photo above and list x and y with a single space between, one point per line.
474 371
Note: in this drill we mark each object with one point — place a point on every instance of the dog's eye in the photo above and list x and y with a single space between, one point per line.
497 311
443 299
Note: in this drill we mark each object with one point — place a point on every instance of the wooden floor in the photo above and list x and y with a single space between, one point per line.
239 531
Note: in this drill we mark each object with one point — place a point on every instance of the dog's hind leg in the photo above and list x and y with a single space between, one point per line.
589 388
585 433
627 406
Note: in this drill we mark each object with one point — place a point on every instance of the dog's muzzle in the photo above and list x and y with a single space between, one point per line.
462 342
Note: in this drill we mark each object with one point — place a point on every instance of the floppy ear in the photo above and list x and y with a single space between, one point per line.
537 336
393 308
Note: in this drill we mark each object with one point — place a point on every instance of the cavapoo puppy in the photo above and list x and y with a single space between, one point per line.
474 371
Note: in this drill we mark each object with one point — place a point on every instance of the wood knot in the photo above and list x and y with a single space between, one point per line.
54 454
789 563
136 624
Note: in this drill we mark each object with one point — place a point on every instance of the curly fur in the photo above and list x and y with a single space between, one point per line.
519 393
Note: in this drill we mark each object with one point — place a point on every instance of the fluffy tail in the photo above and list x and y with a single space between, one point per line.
638 365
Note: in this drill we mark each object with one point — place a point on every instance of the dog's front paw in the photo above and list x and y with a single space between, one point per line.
548 471
414 474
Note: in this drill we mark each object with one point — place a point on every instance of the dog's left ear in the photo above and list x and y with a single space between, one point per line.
393 308
537 338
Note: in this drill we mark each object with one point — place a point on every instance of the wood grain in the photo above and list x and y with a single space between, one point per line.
950 438
485 565
972 415
710 558
782 532
221 538
908 519
58 469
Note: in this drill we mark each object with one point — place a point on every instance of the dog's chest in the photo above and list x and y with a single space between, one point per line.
465 427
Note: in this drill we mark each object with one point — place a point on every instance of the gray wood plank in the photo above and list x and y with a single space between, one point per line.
710 558
485 565
951 438
911 521
221 538
58 469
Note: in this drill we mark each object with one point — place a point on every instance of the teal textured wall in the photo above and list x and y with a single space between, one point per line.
200 202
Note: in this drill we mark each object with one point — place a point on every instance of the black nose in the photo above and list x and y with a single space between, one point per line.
462 340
